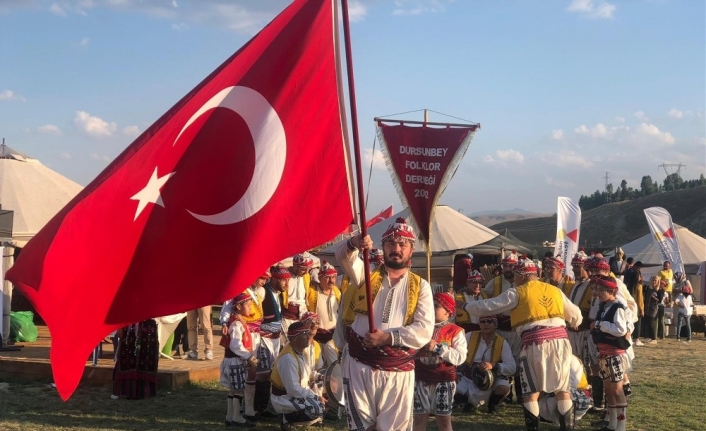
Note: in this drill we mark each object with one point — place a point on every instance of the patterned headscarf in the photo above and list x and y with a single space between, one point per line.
446 301
474 277
280 272
303 259
399 229
525 267
297 328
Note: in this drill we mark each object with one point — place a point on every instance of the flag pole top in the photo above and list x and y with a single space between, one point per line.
379 120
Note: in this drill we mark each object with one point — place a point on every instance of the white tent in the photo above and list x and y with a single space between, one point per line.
34 192
644 249
451 233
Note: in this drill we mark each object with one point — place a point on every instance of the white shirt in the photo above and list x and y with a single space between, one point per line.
685 304
296 293
490 288
296 385
327 309
505 368
389 307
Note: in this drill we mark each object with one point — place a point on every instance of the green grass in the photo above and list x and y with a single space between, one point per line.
668 387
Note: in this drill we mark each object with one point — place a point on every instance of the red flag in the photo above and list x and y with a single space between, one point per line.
209 196
423 161
384 215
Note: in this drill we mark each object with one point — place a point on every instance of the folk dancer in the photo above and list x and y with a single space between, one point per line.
294 298
324 301
554 274
291 395
254 321
610 333
539 312
238 359
375 258
312 354
580 294
580 395
403 309
494 288
471 293
487 351
435 367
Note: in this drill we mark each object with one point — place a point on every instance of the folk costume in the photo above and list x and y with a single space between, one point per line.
313 355
405 311
498 352
294 298
135 372
239 353
580 294
326 306
291 394
435 370
580 395
463 319
494 288
539 313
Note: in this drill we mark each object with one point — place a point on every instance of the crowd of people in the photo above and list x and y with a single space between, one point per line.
303 343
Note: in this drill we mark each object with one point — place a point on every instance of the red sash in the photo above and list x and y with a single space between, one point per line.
323 336
385 358
291 312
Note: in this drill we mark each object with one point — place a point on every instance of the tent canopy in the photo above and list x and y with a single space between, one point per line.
34 192
644 249
451 233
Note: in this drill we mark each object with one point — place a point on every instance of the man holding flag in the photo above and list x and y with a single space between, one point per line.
403 310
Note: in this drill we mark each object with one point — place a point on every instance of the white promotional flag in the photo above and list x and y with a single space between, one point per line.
666 236
568 226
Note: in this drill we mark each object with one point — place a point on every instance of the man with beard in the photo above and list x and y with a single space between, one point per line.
294 298
472 293
554 274
378 367
375 258
324 301
253 322
580 294
539 312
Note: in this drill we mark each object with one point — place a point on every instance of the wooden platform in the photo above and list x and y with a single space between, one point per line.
32 363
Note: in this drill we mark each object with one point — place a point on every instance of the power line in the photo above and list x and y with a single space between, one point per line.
607 194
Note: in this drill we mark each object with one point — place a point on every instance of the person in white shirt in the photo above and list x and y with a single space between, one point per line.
685 302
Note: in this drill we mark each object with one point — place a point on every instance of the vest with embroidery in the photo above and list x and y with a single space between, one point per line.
537 301
496 348
277 385
461 314
355 298
312 298
438 371
246 337
345 282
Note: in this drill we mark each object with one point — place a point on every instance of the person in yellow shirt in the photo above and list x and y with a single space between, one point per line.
667 275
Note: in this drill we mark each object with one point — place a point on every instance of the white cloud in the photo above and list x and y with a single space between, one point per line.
589 9
600 130
132 131
510 156
49 129
652 131
84 41
65 155
101 157
675 113
620 120
378 159
94 126
57 10
641 116
418 7
558 134
558 184
356 11
10 95
567 159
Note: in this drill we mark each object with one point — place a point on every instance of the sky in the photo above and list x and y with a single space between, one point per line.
564 90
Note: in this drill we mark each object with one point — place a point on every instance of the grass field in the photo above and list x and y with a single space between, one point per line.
668 386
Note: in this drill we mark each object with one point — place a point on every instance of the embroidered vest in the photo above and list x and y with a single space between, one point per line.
537 301
270 308
496 348
497 286
312 298
443 371
584 303
461 314
277 385
246 336
345 281
355 302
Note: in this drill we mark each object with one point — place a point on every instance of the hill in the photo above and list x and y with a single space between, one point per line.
491 217
618 223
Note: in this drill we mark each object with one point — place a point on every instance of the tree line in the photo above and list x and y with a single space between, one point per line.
648 187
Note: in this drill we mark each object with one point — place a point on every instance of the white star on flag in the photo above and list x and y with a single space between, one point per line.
150 194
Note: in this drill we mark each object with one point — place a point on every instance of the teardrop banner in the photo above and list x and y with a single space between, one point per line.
422 160
568 229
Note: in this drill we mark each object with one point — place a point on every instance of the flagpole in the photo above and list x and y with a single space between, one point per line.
428 248
358 164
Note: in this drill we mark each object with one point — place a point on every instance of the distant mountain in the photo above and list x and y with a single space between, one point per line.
618 223
491 217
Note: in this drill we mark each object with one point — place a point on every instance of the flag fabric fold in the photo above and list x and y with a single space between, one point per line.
204 200
665 235
568 229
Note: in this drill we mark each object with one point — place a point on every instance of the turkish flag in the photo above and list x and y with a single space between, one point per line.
384 215
204 200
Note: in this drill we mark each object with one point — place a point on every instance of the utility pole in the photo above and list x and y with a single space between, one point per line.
607 195
672 165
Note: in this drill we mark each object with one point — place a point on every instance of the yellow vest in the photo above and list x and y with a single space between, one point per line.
355 299
312 298
537 301
497 286
275 378
496 348
585 301
461 314
345 281
257 314
583 382
285 297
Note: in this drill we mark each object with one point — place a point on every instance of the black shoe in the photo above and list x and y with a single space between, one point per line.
531 421
469 408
